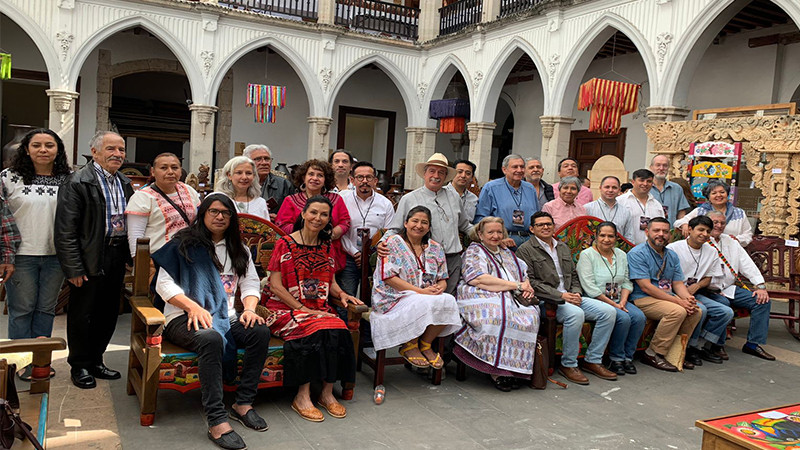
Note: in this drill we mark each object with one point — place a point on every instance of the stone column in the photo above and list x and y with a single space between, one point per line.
62 117
668 114
480 148
201 145
420 145
319 137
326 12
555 144
429 20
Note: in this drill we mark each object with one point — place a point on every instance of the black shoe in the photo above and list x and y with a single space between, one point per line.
758 351
630 369
500 383
617 367
515 382
693 357
688 365
229 441
104 373
720 351
707 355
82 378
251 420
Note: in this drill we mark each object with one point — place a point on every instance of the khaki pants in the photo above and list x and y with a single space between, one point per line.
672 318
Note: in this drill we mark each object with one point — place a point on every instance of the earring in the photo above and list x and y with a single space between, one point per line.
303 187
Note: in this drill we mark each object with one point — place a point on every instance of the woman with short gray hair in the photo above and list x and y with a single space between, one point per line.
717 194
239 182
563 208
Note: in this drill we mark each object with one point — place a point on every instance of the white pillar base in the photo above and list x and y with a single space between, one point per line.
201 145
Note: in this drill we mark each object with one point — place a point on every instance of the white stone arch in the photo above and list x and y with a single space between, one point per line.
581 55
693 43
177 48
498 72
297 62
39 37
440 80
401 82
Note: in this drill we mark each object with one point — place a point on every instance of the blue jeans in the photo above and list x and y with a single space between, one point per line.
519 240
628 329
712 330
32 294
349 278
572 318
759 314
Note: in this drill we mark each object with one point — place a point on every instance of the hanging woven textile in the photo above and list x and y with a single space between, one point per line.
608 101
5 66
266 99
452 114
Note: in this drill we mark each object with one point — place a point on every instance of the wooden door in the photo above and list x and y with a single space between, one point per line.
588 147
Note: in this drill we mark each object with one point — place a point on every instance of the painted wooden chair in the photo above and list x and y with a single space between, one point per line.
34 403
155 364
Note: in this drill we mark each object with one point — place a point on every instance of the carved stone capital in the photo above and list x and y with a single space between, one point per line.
204 115
549 124
666 113
62 101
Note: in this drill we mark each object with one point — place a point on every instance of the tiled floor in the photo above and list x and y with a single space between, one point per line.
652 410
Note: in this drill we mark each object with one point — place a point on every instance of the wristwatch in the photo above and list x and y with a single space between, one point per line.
761 286
519 286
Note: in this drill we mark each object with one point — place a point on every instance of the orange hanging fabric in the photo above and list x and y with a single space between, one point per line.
608 101
452 124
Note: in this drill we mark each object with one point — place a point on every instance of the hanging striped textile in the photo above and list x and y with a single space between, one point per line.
608 101
5 66
266 99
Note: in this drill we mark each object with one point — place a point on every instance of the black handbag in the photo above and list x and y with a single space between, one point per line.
11 425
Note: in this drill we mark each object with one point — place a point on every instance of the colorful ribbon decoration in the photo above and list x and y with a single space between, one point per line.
608 101
727 264
5 66
266 99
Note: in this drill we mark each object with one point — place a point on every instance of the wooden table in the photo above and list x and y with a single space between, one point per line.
770 428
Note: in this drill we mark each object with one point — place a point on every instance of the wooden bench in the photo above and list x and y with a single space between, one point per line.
35 403
155 364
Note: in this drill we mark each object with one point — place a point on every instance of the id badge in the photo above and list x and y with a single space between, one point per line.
665 285
118 225
612 291
666 210
643 221
518 218
428 279
312 289
359 241
227 283
690 281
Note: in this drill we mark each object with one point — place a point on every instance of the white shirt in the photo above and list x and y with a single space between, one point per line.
617 214
650 210
553 252
34 210
145 215
469 202
740 261
446 221
696 263
256 207
375 213
739 228
248 285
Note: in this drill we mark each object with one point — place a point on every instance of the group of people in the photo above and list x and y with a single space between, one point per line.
83 226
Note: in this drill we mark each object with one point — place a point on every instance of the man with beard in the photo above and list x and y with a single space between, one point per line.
510 198
669 194
91 242
659 291
533 175
367 210
460 184
342 163
274 185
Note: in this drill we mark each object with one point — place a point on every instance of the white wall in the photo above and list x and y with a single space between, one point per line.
373 89
529 99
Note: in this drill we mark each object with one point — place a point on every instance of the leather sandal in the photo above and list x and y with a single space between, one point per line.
250 419
416 361
229 441
311 414
335 409
437 362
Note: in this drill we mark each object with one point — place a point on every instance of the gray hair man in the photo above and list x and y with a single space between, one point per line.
274 185
533 175
669 194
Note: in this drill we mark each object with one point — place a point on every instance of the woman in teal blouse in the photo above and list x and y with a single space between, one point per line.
603 272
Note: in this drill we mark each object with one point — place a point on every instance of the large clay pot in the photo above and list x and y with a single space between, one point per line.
10 149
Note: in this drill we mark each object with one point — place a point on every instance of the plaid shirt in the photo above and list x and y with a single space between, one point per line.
9 234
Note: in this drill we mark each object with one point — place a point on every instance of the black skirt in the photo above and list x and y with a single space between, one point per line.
326 355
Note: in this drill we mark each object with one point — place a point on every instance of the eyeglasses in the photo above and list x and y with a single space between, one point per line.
263 158
216 212
364 177
543 225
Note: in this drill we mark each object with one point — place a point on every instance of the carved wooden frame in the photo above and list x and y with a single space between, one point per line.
775 138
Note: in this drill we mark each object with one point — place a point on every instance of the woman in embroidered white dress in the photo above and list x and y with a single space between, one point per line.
499 335
409 305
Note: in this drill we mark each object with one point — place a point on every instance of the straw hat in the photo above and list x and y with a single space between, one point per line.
438 160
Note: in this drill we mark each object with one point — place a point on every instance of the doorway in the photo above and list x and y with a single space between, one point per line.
368 134
588 147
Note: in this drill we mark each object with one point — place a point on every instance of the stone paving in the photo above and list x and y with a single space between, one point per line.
651 410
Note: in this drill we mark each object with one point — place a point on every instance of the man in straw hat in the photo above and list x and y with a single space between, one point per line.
447 218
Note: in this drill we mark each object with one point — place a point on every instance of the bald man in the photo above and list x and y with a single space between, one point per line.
669 194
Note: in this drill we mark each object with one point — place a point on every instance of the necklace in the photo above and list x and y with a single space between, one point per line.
244 206
303 240
696 259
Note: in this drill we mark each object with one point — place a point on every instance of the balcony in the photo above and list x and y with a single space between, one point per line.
379 17
287 9
459 15
509 7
